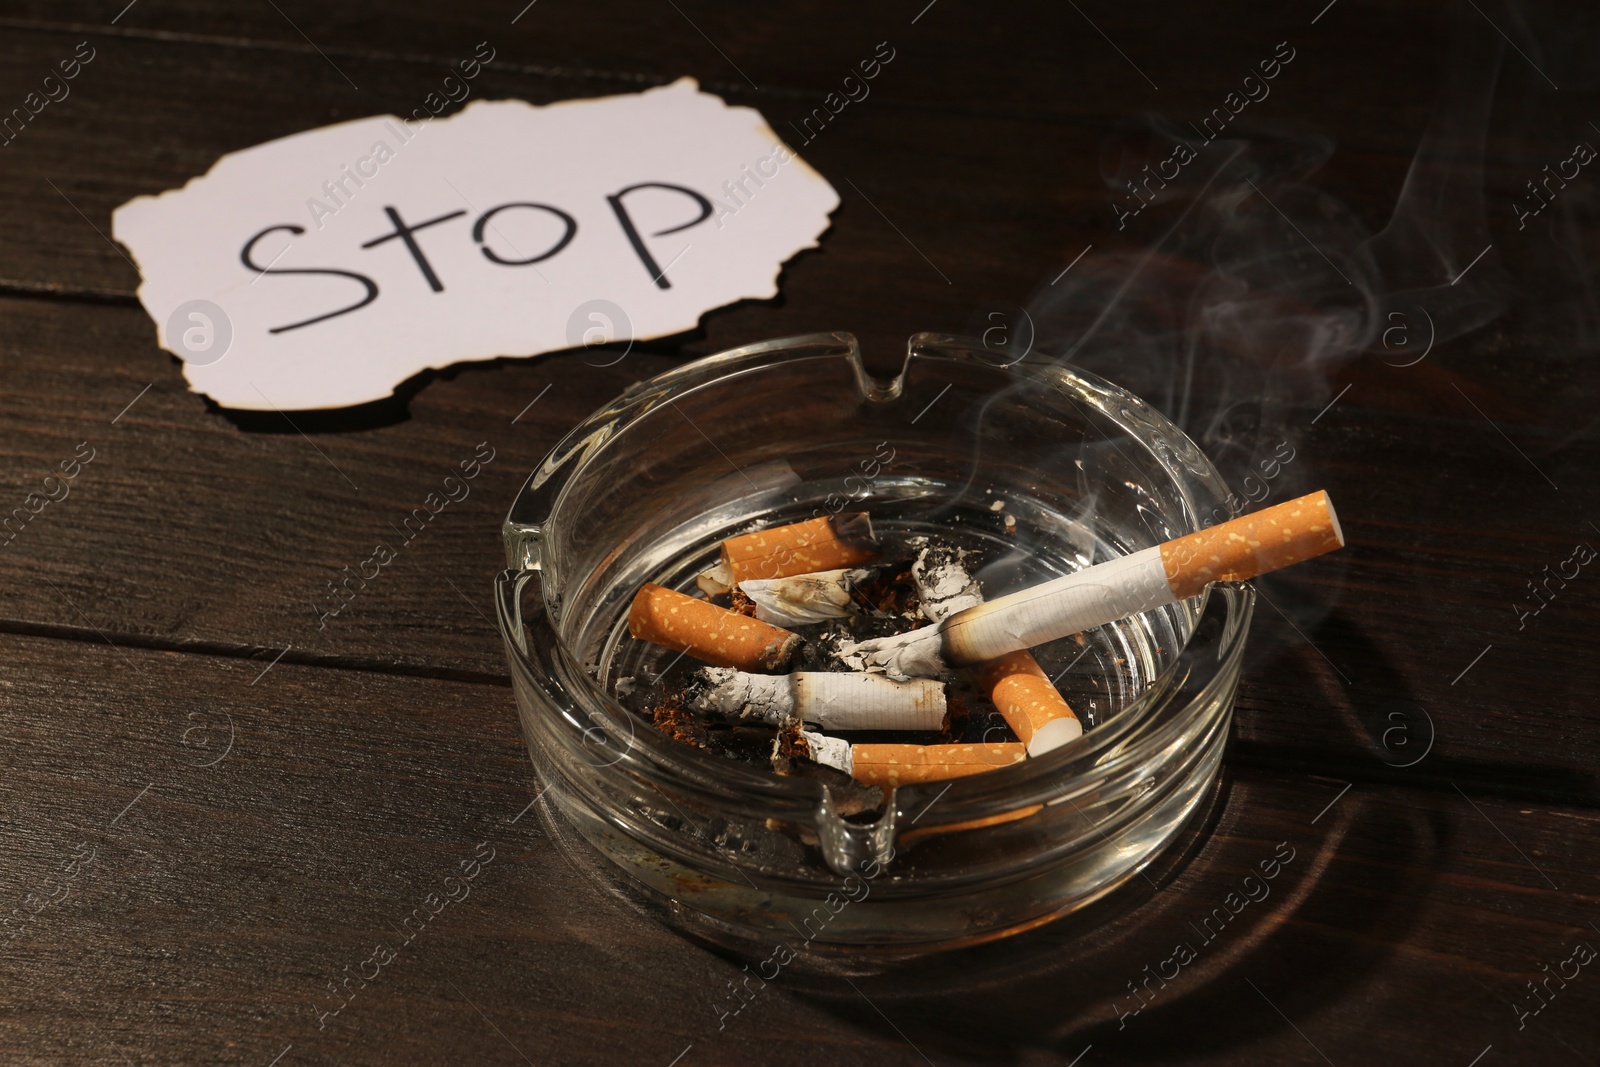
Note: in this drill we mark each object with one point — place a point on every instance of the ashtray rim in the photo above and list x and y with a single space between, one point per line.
1086 764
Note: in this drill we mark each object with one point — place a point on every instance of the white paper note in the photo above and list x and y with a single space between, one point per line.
323 269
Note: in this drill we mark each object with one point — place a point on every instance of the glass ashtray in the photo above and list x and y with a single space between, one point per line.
1038 467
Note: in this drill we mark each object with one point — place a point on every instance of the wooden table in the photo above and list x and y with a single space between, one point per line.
212 810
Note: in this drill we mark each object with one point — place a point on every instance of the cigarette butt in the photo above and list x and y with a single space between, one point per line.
891 765
920 833
830 700
1151 578
716 635
802 599
1031 705
838 753
826 543
1252 544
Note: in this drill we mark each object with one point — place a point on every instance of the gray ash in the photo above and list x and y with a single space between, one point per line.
750 743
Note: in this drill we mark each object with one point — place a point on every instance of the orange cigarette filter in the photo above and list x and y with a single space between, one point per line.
1116 589
1252 544
919 833
715 635
891 765
1028 701
822 544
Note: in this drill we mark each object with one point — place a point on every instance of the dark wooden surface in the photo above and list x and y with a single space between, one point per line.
207 907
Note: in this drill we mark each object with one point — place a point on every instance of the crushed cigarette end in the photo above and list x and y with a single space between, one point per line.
716 581
803 599
913 654
943 583
829 751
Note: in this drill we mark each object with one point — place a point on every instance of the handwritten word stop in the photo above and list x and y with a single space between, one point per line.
341 261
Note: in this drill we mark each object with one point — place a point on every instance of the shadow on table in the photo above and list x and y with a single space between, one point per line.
1114 975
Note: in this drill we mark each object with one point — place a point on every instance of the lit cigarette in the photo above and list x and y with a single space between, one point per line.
716 635
1036 712
891 765
1030 703
830 700
821 544
1233 551
804 598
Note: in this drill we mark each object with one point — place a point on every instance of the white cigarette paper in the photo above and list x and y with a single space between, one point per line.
830 700
1236 550
1071 604
803 599
829 751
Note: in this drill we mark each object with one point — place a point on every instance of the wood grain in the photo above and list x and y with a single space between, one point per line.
220 900
1430 761
1099 63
